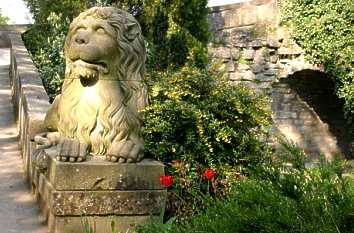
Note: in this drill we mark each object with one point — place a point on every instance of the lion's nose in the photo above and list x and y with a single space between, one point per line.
81 39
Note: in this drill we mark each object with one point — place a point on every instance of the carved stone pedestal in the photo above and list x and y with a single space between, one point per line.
98 191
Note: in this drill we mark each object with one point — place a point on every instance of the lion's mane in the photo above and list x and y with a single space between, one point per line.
113 116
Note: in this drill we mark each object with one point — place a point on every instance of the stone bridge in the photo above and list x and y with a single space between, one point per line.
255 51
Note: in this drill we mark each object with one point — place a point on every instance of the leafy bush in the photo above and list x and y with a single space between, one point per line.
200 117
197 120
278 197
325 29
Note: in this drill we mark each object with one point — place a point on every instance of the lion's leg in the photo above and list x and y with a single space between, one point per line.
127 150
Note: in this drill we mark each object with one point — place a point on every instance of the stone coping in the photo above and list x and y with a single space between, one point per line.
30 99
19 28
237 5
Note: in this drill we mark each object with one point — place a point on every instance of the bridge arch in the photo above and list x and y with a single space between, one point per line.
307 111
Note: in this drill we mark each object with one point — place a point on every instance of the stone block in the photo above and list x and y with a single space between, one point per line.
127 194
259 56
230 66
265 78
101 224
248 54
235 76
273 58
235 53
272 43
257 68
242 67
248 16
239 44
256 44
249 75
270 72
220 52
98 174
100 202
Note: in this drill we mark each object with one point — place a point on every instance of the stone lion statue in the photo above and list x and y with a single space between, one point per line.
97 111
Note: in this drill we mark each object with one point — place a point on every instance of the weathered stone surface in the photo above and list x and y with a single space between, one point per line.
235 53
242 67
259 56
270 72
102 202
74 224
94 113
265 78
272 43
98 174
257 68
256 44
220 52
289 51
235 76
230 66
249 75
273 58
248 54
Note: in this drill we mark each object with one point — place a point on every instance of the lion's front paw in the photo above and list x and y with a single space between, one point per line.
125 152
72 150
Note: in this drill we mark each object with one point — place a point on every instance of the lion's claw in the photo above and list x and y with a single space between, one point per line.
72 150
125 152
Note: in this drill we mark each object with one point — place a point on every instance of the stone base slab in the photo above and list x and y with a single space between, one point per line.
96 190
100 224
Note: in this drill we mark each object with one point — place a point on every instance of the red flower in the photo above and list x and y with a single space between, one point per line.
209 174
166 181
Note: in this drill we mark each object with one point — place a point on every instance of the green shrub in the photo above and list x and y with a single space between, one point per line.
197 120
277 197
198 116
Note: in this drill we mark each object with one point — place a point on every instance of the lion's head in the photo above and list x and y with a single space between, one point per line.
103 91
105 42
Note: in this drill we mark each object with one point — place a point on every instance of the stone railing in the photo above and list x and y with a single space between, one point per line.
29 97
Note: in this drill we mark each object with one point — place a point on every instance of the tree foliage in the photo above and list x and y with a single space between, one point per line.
176 32
3 19
325 29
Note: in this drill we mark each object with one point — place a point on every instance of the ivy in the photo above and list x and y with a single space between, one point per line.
325 30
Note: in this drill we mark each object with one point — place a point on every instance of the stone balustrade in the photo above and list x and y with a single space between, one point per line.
29 97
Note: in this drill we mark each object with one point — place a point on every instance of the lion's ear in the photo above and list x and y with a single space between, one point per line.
132 31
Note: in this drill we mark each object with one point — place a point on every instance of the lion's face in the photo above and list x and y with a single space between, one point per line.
91 48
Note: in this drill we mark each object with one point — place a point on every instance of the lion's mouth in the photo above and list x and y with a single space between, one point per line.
88 72
97 66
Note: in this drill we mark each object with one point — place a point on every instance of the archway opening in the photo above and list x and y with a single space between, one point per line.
307 111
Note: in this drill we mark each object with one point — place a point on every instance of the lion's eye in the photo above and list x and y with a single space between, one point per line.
80 28
100 30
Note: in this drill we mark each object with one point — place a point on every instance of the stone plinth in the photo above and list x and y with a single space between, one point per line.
98 191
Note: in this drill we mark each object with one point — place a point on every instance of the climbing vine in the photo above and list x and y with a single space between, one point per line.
325 30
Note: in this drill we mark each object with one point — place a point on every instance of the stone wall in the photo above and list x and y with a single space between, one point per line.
253 50
28 94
